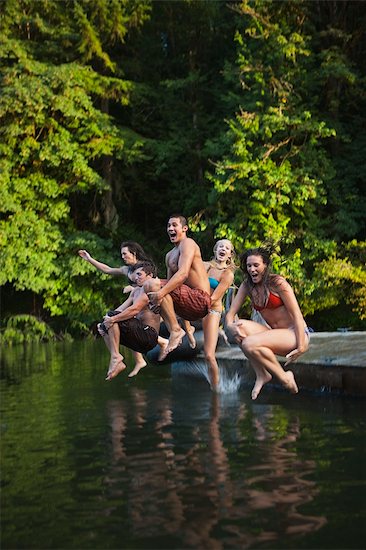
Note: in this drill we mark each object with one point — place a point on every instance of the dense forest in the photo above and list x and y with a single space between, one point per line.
248 117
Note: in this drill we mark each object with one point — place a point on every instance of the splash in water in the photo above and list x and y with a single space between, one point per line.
229 382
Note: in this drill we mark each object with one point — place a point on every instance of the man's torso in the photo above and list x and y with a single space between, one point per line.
197 276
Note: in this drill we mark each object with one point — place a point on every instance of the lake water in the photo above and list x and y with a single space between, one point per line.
159 461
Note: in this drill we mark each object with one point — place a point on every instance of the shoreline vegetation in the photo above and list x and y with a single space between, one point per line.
248 117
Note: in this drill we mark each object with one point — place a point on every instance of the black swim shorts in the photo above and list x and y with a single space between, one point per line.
136 335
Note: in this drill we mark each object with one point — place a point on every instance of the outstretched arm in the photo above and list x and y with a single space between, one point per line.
123 270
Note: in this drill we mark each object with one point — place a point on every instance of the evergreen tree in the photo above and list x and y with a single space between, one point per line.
274 180
55 142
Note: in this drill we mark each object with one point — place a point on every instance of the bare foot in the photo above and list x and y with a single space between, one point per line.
116 366
191 338
291 384
115 371
259 383
137 368
163 347
175 340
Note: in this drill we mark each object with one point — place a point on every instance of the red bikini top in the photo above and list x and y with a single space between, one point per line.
273 302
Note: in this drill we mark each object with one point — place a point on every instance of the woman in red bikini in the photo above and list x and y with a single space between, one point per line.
285 332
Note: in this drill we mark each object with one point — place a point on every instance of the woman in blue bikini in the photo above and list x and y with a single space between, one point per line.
285 332
220 271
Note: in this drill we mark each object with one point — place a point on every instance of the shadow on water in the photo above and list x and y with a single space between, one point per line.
160 461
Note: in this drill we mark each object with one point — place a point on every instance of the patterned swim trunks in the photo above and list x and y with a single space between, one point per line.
190 303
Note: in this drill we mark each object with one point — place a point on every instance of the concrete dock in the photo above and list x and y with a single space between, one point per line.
335 362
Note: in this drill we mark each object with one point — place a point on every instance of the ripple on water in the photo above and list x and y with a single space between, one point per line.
230 382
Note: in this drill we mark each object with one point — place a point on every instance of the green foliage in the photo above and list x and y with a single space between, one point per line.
271 182
84 294
276 180
340 280
111 114
25 329
48 149
54 142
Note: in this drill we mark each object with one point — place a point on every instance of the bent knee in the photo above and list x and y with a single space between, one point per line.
152 285
210 357
249 346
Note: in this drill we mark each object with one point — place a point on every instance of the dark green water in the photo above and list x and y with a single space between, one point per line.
161 462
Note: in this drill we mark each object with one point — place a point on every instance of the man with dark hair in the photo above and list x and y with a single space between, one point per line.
186 292
133 324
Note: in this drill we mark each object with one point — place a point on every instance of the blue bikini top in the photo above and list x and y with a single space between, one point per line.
214 283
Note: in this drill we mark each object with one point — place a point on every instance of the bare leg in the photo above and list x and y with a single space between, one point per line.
261 349
106 339
176 333
210 325
262 378
249 328
112 372
116 364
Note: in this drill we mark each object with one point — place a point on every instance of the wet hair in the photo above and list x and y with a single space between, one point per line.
136 248
148 267
181 218
230 261
265 254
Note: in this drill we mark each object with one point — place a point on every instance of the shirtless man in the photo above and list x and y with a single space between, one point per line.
134 324
186 292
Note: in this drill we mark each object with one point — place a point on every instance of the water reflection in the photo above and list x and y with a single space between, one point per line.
279 481
185 478
160 462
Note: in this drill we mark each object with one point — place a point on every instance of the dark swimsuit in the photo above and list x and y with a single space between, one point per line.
273 302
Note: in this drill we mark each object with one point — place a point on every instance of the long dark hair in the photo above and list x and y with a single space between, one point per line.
136 248
265 254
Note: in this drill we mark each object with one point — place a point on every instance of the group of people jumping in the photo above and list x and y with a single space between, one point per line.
194 290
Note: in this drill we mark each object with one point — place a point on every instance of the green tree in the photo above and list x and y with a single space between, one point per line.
177 107
55 141
273 184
